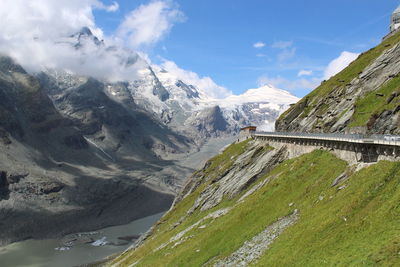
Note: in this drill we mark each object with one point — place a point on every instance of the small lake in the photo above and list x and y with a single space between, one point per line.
75 249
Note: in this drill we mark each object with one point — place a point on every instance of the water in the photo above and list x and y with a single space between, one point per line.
55 252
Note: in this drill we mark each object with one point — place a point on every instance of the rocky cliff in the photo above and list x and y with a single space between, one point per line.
363 98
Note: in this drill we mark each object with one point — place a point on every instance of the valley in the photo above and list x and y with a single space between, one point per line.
112 154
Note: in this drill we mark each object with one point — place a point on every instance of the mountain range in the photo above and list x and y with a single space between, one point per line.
107 151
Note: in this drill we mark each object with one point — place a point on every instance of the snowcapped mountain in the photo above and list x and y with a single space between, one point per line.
259 107
187 108
171 100
268 95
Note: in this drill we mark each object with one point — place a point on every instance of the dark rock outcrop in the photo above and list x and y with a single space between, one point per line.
210 121
76 142
4 191
3 179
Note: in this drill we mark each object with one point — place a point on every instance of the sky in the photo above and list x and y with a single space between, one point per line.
224 46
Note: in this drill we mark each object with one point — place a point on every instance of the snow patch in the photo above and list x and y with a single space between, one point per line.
100 242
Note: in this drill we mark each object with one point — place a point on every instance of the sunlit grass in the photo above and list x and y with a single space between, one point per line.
372 105
357 225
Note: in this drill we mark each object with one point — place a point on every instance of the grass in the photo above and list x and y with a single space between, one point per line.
165 228
345 76
358 225
222 162
372 105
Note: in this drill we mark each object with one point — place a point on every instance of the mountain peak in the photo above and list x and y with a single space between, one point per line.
85 31
268 90
85 34
264 94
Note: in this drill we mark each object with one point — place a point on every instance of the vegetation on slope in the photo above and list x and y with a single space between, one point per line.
374 103
353 223
340 80
165 228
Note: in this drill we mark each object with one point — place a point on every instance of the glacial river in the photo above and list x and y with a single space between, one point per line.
67 253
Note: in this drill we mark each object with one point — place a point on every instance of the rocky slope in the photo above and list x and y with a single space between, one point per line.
363 98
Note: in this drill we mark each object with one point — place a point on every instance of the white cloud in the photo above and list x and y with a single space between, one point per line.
36 33
111 8
338 64
282 44
305 73
259 45
30 29
45 19
148 24
206 84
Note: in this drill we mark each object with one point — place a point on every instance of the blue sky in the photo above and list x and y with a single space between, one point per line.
216 39
217 45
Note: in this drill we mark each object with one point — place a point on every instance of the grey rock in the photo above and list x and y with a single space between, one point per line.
253 249
245 171
339 179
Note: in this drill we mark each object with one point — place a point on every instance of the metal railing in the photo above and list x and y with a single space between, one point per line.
389 140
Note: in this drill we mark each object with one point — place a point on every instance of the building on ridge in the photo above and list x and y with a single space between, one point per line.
395 20
247 132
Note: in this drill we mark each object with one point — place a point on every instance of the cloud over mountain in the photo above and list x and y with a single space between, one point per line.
43 34
206 84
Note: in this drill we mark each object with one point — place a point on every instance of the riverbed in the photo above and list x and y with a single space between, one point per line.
75 249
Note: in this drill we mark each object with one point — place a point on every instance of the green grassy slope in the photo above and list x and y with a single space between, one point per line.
374 103
355 225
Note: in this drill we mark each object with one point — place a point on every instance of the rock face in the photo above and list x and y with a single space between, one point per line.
77 160
238 177
109 118
363 98
209 121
